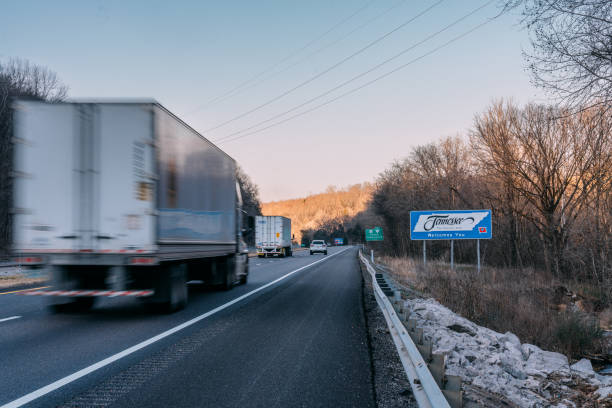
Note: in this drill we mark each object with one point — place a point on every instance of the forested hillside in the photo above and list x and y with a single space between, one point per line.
334 213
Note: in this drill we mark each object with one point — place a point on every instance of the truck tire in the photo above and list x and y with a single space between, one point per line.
230 268
325 253
282 254
177 293
245 277
310 252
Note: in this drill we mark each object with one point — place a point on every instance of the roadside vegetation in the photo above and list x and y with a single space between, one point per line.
547 176
251 205
535 306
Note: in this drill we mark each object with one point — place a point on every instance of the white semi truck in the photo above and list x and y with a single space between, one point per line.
122 199
273 236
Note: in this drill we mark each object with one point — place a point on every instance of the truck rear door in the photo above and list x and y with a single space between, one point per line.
46 170
126 167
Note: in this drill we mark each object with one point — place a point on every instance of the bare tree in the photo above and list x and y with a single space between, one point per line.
251 205
553 161
572 48
19 78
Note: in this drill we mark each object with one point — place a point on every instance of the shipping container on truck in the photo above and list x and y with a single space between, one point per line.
273 236
122 199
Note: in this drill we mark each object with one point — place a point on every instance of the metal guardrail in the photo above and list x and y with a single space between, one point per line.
424 387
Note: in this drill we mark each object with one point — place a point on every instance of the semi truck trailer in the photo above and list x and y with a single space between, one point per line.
122 199
273 236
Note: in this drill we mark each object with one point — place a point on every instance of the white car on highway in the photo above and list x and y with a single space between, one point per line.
318 245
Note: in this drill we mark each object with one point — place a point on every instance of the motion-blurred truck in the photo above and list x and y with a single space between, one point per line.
122 199
273 236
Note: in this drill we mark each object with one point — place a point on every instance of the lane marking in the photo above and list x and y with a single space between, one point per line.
103 363
6 319
23 290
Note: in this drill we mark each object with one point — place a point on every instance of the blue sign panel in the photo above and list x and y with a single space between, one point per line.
338 241
451 224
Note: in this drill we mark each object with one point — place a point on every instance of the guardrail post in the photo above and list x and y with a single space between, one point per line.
425 348
452 391
437 366
419 335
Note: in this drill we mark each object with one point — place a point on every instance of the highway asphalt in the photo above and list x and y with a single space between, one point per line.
301 341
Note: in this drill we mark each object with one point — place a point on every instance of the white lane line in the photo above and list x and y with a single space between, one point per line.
6 319
103 363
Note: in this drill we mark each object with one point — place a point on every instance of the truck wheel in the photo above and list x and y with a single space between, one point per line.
228 276
282 253
245 277
310 252
177 288
243 271
325 253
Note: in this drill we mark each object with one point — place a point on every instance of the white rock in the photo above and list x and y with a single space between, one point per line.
510 350
604 392
548 362
511 337
605 380
510 366
584 368
528 349
472 372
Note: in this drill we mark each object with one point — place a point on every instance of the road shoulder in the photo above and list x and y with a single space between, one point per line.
391 386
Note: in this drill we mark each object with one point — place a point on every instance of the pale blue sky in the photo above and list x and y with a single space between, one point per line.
186 53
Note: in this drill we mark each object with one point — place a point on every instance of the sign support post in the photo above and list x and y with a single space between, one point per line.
374 234
452 254
424 253
478 254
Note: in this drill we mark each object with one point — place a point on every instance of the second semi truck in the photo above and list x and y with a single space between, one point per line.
273 236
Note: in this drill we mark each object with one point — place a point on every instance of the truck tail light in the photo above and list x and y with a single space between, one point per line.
29 260
143 260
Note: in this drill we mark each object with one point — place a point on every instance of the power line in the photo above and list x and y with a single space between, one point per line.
286 58
362 74
310 55
365 84
320 74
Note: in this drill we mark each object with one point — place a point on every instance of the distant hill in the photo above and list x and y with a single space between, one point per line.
333 210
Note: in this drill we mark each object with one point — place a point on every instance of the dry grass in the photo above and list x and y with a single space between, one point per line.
538 309
13 281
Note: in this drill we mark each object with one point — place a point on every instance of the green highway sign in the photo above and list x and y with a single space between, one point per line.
374 234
